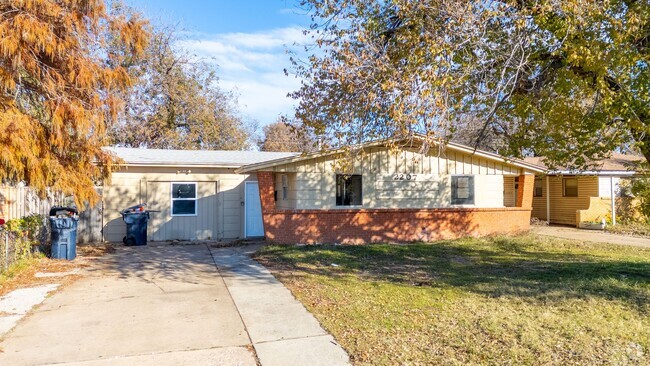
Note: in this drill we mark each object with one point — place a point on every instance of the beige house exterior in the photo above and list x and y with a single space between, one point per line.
410 192
571 198
392 191
215 208
407 178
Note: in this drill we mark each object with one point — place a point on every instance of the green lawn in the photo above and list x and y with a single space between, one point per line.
500 301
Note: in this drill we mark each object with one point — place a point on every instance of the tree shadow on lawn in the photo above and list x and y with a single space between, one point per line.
494 267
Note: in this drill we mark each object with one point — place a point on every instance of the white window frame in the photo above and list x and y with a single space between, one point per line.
195 199
451 190
336 192
285 186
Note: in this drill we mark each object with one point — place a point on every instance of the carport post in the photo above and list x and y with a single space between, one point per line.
613 194
548 201
6 249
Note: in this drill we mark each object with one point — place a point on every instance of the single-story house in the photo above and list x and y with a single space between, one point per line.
393 195
570 198
387 194
196 195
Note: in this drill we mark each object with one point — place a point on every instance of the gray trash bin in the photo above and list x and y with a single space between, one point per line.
136 219
63 228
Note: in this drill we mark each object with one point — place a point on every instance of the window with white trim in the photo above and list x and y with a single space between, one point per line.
184 199
348 190
462 190
285 187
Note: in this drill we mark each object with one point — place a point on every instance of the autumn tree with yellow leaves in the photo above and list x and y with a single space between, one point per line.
59 88
565 79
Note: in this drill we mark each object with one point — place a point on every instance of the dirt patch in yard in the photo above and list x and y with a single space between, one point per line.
37 271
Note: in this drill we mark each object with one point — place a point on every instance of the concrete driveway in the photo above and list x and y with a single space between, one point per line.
169 305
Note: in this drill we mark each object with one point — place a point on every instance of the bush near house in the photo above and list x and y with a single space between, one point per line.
633 209
492 301
18 236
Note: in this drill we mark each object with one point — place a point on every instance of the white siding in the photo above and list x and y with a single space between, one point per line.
430 186
604 186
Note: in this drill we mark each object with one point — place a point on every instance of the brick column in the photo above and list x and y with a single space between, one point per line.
267 187
525 192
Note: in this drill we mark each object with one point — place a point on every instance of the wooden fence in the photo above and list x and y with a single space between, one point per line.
17 202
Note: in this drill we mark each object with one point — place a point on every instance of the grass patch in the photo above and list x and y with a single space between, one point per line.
491 301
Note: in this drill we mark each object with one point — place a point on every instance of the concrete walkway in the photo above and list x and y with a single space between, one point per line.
170 305
283 332
590 235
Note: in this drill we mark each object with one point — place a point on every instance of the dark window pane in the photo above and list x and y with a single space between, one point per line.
184 190
462 190
349 190
570 187
184 207
538 192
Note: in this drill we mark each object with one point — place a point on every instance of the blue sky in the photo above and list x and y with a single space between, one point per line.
247 39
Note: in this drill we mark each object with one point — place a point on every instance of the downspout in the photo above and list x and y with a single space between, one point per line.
548 202
613 199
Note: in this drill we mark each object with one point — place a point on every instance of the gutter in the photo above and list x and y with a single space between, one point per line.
607 173
175 165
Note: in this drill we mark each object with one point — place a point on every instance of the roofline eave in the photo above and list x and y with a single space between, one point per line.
180 165
454 146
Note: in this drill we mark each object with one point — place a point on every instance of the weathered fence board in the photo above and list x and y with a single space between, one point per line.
89 229
19 201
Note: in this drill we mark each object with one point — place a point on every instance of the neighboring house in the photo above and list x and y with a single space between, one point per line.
569 198
393 196
197 194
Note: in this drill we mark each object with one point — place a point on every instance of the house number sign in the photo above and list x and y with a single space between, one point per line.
402 176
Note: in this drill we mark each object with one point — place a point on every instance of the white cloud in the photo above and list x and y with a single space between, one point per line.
252 65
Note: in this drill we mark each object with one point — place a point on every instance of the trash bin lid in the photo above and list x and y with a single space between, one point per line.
135 209
58 210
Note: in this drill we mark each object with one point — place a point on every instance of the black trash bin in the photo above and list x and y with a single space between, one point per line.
136 218
63 228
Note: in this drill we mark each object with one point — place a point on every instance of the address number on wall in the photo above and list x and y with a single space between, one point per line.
404 176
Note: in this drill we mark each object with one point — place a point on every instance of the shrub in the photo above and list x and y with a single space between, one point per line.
640 188
25 232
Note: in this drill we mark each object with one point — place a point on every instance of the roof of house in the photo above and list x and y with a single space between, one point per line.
450 145
202 158
616 163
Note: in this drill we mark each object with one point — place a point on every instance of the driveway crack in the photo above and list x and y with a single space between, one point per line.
155 284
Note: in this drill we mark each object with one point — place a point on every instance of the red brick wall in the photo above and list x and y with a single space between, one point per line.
390 225
358 226
267 187
525 193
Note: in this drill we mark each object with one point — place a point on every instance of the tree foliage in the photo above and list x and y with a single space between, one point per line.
58 89
176 103
566 79
283 136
